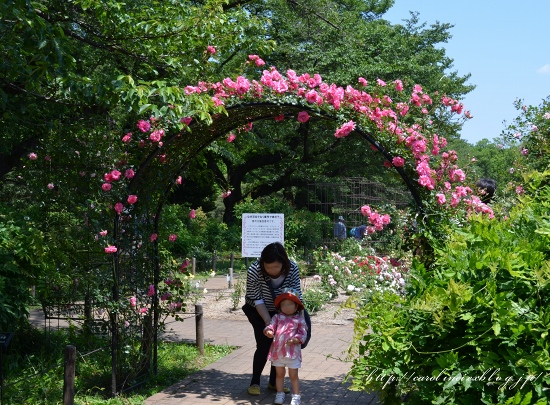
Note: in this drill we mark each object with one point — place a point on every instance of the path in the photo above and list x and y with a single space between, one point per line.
225 382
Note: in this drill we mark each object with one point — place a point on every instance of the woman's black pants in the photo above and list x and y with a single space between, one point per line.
263 344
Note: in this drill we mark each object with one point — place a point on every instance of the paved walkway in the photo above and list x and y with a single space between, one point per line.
225 382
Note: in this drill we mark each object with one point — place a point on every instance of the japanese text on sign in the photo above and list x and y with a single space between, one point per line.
259 230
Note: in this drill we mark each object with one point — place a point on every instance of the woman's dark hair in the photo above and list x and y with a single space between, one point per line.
275 252
489 187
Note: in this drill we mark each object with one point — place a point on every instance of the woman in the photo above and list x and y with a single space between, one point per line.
266 278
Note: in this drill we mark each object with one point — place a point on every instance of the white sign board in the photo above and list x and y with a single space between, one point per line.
259 230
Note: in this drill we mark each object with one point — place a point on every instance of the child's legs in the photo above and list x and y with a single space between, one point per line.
293 374
280 378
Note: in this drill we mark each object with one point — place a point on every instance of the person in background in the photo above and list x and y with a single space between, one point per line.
486 189
270 275
340 229
360 231
288 330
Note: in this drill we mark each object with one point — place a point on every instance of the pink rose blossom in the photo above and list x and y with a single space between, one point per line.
133 301
303 116
172 237
279 118
178 180
184 265
51 186
103 233
143 310
186 120
398 85
115 175
132 199
143 125
192 214
33 156
106 186
119 207
151 290
365 210
129 174
345 129
110 249
153 237
226 194
47 158
210 49
519 190
512 170
441 199
398 161
381 82
231 137
525 152
127 138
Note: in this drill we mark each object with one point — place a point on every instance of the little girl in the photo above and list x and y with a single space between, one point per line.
288 330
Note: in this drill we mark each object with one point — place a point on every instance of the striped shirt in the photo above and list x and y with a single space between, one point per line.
257 285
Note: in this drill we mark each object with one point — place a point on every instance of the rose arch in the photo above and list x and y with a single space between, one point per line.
396 122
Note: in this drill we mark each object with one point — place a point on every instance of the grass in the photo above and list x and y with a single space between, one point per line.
34 373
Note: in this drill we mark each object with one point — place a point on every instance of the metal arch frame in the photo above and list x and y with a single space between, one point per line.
272 109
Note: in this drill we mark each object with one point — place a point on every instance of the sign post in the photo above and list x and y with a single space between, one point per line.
259 230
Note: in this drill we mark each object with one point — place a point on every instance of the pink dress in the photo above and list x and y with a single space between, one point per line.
286 327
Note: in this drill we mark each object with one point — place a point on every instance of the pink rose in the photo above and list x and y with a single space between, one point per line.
119 207
127 138
133 301
143 125
132 199
103 233
192 214
398 161
153 237
151 290
179 180
110 249
303 116
210 49
172 237
129 174
231 137
33 156
51 186
106 186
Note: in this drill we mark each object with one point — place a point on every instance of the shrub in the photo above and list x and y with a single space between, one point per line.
475 331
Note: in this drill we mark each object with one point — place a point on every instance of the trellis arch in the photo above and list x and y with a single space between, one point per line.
129 272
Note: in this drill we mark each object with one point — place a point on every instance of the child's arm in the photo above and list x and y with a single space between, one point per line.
269 330
301 333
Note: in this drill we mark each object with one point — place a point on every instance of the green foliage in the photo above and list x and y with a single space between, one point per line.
35 364
23 263
475 329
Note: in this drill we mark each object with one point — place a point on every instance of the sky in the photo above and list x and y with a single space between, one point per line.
503 44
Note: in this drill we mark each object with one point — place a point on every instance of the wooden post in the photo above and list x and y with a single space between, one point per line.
194 266
199 328
214 261
68 381
231 259
246 262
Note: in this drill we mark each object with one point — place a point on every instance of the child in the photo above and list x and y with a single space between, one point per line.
288 330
